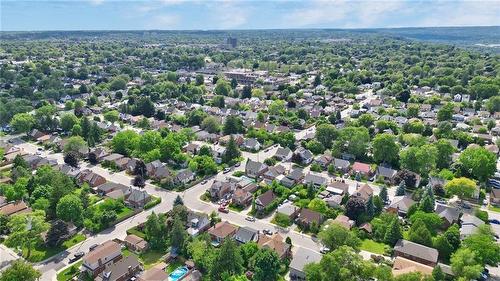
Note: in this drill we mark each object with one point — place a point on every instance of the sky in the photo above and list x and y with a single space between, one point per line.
22 15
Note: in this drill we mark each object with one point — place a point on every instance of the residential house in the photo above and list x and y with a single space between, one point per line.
246 234
100 153
255 169
385 173
495 197
184 176
122 270
197 223
307 218
315 179
400 205
157 170
283 154
344 221
251 144
264 200
449 215
219 189
341 165
91 178
102 257
14 208
364 192
403 266
154 274
362 169
221 231
275 242
113 190
303 257
323 160
137 198
273 173
416 252
305 155
337 188
294 176
469 225
135 243
289 210
242 198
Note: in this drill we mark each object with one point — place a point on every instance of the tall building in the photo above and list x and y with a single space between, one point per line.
233 42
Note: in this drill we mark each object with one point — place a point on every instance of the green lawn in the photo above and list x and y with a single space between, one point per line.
236 208
69 272
173 265
373 247
41 252
125 212
136 232
493 208
148 259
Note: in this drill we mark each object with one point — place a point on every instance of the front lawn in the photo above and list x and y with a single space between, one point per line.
236 208
493 208
124 212
69 272
42 252
148 259
373 247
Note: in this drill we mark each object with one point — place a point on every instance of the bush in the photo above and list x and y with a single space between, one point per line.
482 215
282 220
152 203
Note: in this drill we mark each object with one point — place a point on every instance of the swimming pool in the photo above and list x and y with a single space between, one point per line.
178 273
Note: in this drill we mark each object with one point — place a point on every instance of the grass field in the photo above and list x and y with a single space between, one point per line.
373 247
494 209
42 252
69 272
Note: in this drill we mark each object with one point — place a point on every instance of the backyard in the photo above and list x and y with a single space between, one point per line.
42 252
373 247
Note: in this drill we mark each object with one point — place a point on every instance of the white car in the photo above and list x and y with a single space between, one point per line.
324 250
252 219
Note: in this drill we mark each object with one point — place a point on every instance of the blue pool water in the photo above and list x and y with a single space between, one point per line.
178 273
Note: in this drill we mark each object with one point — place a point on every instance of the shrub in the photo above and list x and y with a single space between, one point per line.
152 203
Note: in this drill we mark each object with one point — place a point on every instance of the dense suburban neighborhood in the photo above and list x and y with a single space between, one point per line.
248 156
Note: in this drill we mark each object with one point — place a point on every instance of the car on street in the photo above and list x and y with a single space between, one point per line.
91 248
324 250
267 231
226 170
203 181
76 257
252 219
495 221
223 210
237 164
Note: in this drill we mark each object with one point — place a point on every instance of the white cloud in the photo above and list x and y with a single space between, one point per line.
228 14
165 21
96 2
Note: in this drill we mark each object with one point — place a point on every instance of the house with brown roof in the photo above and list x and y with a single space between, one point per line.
122 270
344 221
362 169
495 197
103 256
416 252
307 217
220 188
221 231
364 192
154 274
242 198
93 179
400 205
264 200
14 208
275 242
136 244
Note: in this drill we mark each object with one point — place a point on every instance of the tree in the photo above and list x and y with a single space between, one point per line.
444 152
57 233
431 220
461 187
277 107
26 230
71 159
383 194
139 181
464 264
219 101
478 163
445 112
222 87
112 116
178 201
22 122
20 270
178 235
266 266
438 274
385 149
400 191
233 125
318 205
420 160
232 151
45 118
124 142
70 209
353 140
393 233
420 234
335 235
211 124
118 83
155 230
443 246
326 134
68 121
228 260
341 264
355 208
484 246
370 208
409 178
75 144
246 93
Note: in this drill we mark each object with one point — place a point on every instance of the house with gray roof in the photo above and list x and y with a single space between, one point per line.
416 252
255 169
449 215
137 198
303 257
317 180
246 234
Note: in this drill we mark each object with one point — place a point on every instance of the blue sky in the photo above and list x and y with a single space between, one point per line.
242 14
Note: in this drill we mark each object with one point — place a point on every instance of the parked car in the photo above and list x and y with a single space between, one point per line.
223 210
267 231
324 250
237 164
252 219
226 170
495 221
203 181
76 257
91 248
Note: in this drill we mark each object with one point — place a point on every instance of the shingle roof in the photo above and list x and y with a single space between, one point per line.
416 250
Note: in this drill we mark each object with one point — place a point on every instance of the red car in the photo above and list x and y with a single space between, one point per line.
223 210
